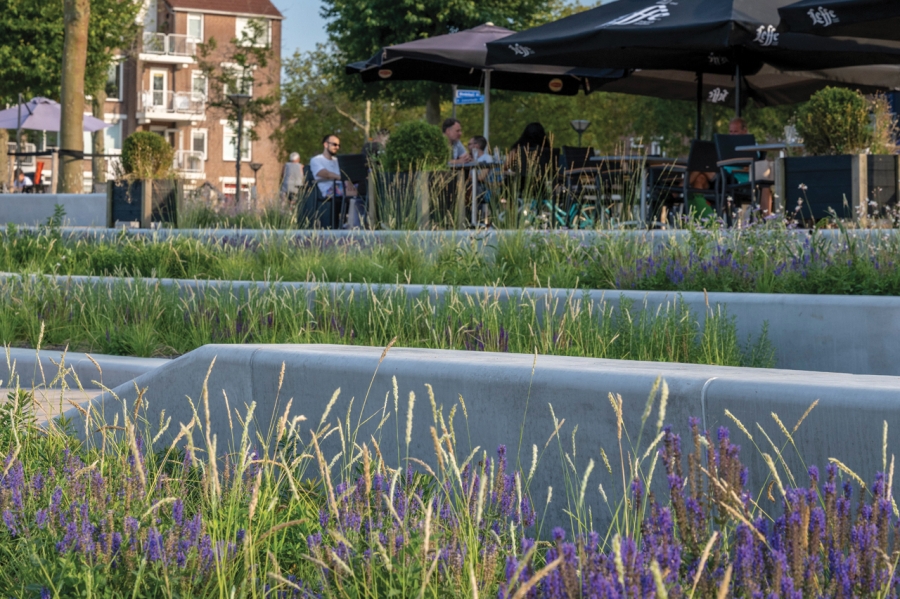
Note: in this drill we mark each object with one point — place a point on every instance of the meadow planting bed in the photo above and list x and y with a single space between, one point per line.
137 510
768 259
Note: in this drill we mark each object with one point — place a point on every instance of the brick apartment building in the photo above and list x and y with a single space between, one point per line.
160 88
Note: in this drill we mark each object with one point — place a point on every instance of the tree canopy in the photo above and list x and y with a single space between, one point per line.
359 28
32 48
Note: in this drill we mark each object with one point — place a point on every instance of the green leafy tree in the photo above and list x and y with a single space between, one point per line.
313 106
31 54
359 28
246 70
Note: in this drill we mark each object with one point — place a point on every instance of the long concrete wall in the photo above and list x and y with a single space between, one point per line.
828 333
508 397
29 369
82 210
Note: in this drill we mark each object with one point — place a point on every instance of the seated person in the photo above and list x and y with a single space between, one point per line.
325 169
478 149
533 140
762 171
21 181
453 132
292 178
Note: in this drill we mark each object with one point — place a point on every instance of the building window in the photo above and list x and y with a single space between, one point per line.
255 32
195 27
230 141
114 81
243 79
199 87
199 142
112 137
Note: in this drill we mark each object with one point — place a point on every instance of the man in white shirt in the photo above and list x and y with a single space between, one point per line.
325 169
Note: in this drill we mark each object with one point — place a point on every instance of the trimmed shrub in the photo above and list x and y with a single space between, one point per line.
835 121
416 146
147 156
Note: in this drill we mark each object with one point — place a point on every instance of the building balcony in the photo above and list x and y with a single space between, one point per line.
168 48
171 106
189 163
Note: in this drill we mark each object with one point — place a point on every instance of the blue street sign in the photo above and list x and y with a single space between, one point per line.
469 96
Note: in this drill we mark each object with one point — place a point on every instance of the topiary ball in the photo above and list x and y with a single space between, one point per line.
835 121
416 146
147 156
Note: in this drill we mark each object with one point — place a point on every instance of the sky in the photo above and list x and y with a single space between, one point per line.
302 28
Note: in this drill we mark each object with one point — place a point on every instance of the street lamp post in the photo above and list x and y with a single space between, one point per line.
240 102
255 166
580 126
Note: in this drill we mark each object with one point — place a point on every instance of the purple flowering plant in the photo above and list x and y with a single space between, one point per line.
127 515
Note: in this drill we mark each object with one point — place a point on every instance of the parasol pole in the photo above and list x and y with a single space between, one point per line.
737 90
698 125
487 104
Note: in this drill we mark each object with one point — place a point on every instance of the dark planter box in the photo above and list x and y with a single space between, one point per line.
126 201
839 183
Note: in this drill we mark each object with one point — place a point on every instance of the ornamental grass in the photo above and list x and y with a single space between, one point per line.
768 258
132 509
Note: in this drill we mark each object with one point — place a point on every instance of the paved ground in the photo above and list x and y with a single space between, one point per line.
48 400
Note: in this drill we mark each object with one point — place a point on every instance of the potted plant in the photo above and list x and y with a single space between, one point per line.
849 164
415 155
146 192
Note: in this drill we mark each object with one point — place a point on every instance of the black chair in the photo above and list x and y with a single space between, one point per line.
672 184
314 208
579 177
731 163
354 169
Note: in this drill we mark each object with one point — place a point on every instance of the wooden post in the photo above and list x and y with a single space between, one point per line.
423 198
859 168
780 189
54 176
146 203
370 199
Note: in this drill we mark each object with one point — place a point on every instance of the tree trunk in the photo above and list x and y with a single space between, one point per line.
71 138
433 107
4 159
98 163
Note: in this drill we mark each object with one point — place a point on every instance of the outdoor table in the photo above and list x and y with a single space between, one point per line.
779 147
641 162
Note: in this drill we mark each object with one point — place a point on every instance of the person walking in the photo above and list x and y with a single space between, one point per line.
292 178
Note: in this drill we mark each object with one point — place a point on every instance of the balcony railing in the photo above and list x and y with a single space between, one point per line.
188 161
169 44
167 102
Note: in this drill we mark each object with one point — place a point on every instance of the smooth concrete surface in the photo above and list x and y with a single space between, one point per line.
830 333
51 403
509 395
40 369
82 210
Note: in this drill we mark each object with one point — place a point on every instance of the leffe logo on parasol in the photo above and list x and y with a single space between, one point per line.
823 16
645 16
766 35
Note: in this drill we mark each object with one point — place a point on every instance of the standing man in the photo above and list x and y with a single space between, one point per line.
292 178
325 169
453 132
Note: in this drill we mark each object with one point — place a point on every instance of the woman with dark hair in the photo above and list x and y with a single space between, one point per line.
533 138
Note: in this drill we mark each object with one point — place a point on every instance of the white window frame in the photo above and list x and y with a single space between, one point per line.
120 66
205 133
165 89
240 25
114 121
199 75
227 133
194 15
235 68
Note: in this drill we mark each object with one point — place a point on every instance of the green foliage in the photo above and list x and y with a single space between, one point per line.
32 48
248 71
314 106
147 156
416 145
360 28
144 318
835 121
